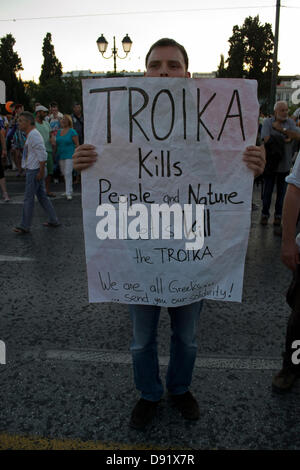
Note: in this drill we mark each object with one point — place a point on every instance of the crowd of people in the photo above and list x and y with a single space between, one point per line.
56 140
61 134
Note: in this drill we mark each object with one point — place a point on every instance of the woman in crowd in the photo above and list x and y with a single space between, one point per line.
66 141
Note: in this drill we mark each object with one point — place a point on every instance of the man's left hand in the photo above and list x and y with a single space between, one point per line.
255 159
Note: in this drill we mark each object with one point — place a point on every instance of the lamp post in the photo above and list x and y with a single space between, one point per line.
102 46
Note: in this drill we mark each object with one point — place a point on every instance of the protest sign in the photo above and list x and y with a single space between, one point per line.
2 92
167 143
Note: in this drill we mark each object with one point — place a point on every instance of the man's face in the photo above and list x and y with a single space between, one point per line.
54 109
281 112
166 61
77 109
41 115
20 110
23 123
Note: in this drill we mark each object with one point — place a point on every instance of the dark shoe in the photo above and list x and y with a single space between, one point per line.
51 224
277 230
284 380
277 221
264 220
187 405
20 230
143 413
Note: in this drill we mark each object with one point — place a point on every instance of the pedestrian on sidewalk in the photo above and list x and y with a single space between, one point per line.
34 161
290 255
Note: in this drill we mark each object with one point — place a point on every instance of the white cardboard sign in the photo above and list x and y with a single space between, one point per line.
167 141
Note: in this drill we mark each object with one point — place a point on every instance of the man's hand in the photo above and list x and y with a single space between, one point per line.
84 157
277 126
255 159
40 175
290 254
292 135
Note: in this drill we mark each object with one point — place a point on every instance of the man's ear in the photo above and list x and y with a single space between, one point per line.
187 74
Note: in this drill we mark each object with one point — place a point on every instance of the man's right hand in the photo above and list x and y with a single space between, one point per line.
290 255
84 157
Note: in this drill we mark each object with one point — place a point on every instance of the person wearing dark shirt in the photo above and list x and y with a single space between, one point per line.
77 118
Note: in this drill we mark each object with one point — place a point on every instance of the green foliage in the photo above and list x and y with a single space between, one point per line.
64 91
10 64
221 72
251 54
236 54
52 87
292 108
51 67
114 74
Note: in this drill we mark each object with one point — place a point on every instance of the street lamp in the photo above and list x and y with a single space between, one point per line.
102 46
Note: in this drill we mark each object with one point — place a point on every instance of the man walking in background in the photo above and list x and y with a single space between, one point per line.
34 161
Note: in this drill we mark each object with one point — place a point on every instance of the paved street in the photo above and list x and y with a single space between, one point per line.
68 369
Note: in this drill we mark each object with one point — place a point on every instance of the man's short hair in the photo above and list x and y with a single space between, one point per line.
53 104
165 42
28 116
279 102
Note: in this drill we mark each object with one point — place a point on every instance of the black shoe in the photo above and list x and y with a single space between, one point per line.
187 405
143 413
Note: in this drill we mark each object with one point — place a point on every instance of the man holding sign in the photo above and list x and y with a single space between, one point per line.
166 58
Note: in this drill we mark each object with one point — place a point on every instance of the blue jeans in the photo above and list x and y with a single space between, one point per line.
183 349
269 183
32 187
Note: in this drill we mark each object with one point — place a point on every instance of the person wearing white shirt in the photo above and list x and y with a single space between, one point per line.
34 161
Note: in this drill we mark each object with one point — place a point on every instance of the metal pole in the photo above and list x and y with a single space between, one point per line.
115 56
274 70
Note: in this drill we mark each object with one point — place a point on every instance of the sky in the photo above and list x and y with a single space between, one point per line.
202 27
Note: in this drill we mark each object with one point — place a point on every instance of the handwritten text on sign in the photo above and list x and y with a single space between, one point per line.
167 148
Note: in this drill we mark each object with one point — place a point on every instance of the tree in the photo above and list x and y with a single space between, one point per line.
236 54
51 67
10 64
221 72
251 54
65 92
